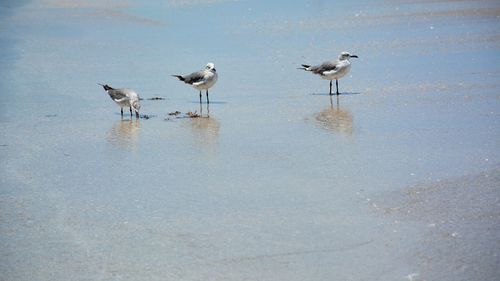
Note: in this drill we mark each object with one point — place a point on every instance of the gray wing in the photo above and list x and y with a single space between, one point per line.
326 66
117 94
194 77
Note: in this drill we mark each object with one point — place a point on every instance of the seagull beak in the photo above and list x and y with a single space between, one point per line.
353 56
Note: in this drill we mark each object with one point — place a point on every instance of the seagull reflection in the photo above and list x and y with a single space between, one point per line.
124 133
335 119
205 130
208 110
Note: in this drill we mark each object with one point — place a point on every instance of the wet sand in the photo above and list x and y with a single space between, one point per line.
395 179
460 220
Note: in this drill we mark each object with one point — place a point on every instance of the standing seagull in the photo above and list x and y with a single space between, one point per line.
124 98
201 80
331 70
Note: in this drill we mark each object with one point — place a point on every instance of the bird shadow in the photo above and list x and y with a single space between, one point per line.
341 94
155 98
127 117
211 102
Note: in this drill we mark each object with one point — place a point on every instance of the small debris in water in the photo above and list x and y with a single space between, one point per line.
193 114
145 116
51 115
180 115
156 98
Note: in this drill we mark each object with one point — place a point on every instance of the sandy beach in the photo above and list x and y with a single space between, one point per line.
397 178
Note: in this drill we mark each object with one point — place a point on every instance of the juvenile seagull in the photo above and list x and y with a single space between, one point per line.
332 70
201 80
124 98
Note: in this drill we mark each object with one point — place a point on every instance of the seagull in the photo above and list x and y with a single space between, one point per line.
124 98
201 80
334 69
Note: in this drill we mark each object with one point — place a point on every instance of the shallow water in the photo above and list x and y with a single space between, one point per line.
281 182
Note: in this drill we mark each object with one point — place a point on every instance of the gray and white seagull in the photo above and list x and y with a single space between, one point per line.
124 98
332 70
201 80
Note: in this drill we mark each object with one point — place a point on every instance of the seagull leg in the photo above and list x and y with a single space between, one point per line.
330 87
130 111
136 114
121 110
337 84
207 98
200 97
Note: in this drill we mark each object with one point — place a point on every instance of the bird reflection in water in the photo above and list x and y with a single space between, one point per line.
205 131
335 119
125 133
208 110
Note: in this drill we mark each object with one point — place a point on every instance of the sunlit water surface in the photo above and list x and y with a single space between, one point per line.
281 181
